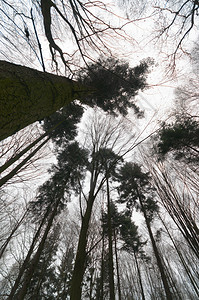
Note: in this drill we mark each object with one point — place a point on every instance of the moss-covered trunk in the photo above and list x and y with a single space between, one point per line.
28 95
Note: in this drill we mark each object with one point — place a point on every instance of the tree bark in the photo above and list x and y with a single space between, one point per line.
28 95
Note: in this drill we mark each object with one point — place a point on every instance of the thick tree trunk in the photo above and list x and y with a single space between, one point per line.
28 95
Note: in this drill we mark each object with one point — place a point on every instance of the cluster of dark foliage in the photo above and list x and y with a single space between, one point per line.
68 117
135 189
180 138
115 84
70 168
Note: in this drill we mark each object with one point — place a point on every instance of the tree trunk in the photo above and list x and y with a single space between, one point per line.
110 247
79 267
28 276
139 275
157 255
187 268
12 160
117 266
101 284
28 95
21 164
28 256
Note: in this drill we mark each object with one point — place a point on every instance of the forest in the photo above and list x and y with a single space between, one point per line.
99 150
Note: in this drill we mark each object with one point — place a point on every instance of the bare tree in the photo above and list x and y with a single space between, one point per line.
73 31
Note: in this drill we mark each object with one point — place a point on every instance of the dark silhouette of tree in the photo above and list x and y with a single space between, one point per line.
136 191
181 139
48 204
124 230
68 117
43 284
102 162
71 167
115 84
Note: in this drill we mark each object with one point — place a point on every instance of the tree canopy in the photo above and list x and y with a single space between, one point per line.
180 138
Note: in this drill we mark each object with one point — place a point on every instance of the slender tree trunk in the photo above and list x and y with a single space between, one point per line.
186 267
27 259
26 149
79 267
5 244
183 219
101 286
117 267
28 276
110 247
28 95
139 276
157 255
21 164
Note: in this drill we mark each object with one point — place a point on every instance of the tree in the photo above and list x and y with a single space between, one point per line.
182 255
173 22
179 203
114 83
124 230
43 284
135 189
28 95
101 138
47 206
71 32
102 161
181 16
180 138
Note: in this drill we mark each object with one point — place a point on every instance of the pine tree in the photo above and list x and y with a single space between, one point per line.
136 190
